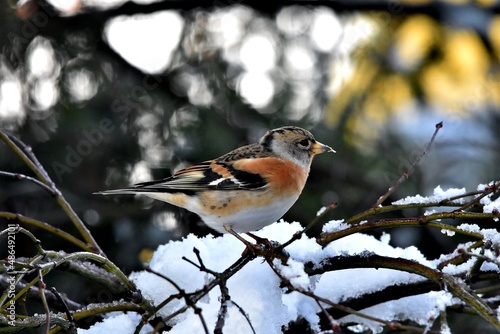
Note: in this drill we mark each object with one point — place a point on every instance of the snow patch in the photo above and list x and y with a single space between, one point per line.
438 195
260 292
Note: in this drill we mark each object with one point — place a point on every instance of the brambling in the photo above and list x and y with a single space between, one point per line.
244 190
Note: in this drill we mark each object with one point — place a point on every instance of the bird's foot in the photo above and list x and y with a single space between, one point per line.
261 246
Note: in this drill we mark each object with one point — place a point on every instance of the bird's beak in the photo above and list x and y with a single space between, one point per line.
318 148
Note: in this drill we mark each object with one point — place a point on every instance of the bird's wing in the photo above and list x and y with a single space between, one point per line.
208 175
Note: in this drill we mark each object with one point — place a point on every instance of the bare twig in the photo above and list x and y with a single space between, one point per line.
481 194
182 294
69 316
406 174
247 318
41 288
429 220
313 222
201 265
19 176
225 297
31 236
49 228
334 324
199 294
449 202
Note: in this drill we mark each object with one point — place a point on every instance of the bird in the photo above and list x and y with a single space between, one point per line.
244 190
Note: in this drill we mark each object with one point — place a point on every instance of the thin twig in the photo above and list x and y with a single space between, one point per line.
225 297
182 293
201 266
333 323
242 311
41 288
18 176
196 296
31 236
313 222
429 221
487 191
71 320
406 174
448 202
49 228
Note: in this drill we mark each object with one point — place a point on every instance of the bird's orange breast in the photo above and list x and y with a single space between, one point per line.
284 177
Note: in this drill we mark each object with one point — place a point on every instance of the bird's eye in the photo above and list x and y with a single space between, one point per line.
304 143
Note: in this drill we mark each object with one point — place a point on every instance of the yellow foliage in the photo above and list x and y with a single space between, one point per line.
494 35
414 40
456 81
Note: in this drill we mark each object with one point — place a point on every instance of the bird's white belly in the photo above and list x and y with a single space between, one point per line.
251 218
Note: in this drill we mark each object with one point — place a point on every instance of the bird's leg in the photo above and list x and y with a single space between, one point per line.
240 238
250 247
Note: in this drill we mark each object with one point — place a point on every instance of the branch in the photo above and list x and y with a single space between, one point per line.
57 259
454 285
225 297
18 176
69 316
299 234
33 292
405 175
449 202
49 228
182 294
199 294
342 308
41 288
428 220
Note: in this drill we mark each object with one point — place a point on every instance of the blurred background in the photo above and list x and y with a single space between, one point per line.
110 93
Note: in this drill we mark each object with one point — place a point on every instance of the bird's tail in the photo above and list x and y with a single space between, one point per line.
124 191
